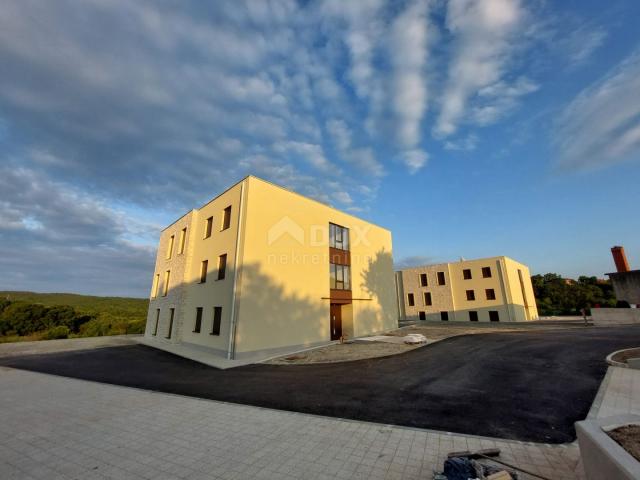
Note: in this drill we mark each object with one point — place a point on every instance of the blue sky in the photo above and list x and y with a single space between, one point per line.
469 128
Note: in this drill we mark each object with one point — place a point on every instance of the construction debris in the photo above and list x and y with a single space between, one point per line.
501 475
465 466
411 339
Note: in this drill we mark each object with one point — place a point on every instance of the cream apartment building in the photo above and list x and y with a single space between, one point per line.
496 289
261 270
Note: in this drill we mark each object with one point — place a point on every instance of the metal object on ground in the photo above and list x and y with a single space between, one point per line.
490 454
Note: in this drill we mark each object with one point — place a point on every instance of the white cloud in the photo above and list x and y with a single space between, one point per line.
55 236
483 40
580 43
601 126
311 153
414 159
408 52
466 144
361 38
495 101
362 158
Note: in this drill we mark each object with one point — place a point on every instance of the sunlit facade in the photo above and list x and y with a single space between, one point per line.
261 270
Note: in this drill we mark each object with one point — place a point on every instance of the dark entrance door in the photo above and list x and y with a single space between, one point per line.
335 313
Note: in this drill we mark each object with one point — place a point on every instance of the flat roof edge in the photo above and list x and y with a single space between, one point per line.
289 190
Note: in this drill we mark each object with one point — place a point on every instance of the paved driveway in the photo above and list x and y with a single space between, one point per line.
523 385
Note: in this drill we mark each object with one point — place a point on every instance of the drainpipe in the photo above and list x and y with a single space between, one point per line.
231 353
400 296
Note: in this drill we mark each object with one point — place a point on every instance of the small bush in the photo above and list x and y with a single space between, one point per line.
137 326
56 333
95 328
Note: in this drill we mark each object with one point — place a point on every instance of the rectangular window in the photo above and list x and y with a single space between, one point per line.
422 315
208 227
444 316
491 294
217 318
338 237
170 246
410 299
170 329
340 276
486 272
226 218
471 295
155 327
423 280
198 325
222 266
473 316
183 239
466 274
441 278
156 285
427 298
494 316
167 276
203 271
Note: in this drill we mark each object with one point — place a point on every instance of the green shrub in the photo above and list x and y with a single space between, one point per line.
95 328
55 333
26 314
137 326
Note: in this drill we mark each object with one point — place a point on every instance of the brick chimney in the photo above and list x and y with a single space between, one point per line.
620 259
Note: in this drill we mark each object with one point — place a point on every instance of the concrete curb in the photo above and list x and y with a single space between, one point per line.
602 457
615 363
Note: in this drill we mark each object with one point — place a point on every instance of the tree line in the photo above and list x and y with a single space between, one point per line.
559 296
23 320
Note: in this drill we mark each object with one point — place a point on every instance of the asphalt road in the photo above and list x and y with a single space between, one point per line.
529 386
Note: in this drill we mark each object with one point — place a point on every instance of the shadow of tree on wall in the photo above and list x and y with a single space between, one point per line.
266 307
378 281
267 315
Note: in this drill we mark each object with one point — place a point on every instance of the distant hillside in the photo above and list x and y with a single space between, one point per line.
112 315
115 306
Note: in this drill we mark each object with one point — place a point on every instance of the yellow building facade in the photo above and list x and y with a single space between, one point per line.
261 270
494 289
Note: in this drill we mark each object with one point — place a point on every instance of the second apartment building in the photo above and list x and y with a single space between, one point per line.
496 289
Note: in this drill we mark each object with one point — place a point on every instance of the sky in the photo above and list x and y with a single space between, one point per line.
469 128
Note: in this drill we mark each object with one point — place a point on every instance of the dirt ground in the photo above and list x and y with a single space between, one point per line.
433 331
626 355
344 353
628 437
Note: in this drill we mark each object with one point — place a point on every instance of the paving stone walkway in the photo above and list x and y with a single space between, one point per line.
620 394
60 428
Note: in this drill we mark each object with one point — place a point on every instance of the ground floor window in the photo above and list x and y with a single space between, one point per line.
198 325
422 315
155 327
444 316
473 316
171 313
494 316
217 319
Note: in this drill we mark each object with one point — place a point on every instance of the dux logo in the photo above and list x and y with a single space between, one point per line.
286 226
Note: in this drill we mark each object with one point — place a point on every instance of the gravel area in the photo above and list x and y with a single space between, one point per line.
433 331
343 353
628 437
